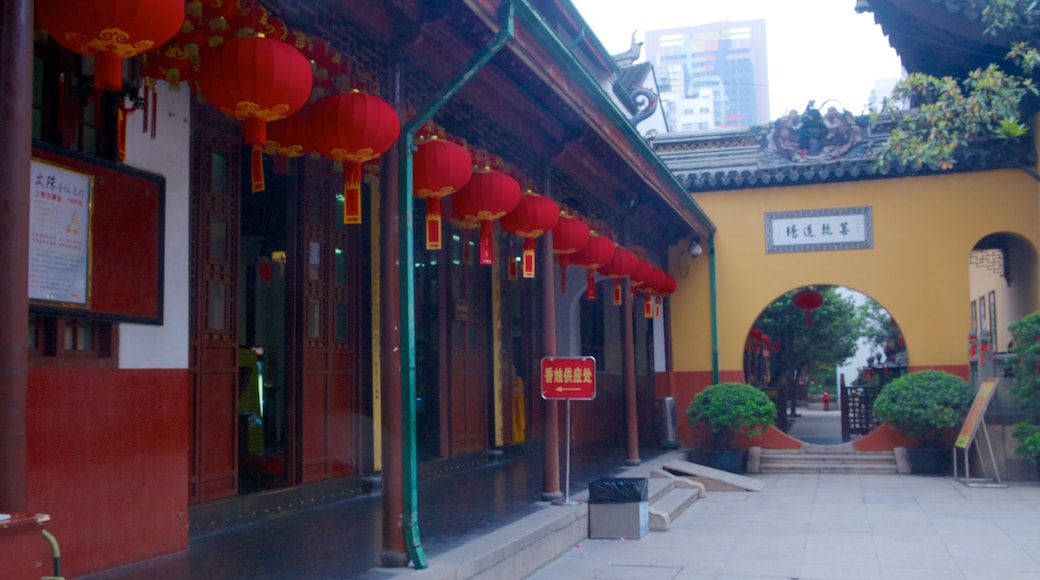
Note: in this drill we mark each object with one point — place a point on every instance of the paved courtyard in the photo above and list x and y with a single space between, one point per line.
890 527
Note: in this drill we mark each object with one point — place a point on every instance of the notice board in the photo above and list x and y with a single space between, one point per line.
96 238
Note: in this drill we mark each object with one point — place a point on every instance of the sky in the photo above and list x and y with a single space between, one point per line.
816 49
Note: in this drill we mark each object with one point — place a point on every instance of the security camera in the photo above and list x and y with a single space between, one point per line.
695 249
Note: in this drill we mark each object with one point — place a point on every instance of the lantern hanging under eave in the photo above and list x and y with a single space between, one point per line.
533 216
623 264
353 128
110 30
807 299
255 80
570 235
597 252
654 289
487 196
288 139
439 168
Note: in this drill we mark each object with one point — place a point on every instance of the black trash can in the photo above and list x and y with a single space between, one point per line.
619 508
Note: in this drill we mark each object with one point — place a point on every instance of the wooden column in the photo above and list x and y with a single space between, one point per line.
628 365
16 73
551 425
394 552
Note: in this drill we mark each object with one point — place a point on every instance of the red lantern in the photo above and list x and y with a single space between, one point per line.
597 252
570 235
110 31
489 195
808 300
623 264
255 80
533 216
287 139
353 128
439 168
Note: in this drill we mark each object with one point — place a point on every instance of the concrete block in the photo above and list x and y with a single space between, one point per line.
628 521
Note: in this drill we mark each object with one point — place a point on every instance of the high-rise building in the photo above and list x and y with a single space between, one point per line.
712 75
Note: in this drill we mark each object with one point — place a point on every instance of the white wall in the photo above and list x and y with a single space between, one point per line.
166 346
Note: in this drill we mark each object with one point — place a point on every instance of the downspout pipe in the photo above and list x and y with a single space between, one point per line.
714 311
406 266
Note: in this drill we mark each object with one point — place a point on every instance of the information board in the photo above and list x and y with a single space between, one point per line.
978 409
569 378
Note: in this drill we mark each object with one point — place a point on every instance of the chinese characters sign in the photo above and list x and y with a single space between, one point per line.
59 234
569 378
819 230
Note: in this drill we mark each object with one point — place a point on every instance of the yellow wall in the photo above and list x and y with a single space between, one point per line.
924 230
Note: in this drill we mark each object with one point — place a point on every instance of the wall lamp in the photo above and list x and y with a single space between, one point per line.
695 249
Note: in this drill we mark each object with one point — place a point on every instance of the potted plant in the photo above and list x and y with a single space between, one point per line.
729 409
1026 388
926 405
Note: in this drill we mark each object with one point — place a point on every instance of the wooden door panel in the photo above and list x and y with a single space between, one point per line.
218 457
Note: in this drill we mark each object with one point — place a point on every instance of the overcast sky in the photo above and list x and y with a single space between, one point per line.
816 49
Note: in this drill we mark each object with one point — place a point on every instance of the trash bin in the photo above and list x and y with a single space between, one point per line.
669 426
619 508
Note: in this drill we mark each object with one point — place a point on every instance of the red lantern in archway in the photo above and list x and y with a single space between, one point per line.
255 80
353 128
489 195
599 251
110 31
570 235
807 299
623 264
534 215
439 168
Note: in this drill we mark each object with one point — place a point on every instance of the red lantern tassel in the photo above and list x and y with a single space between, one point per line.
280 165
257 168
808 318
529 246
108 71
433 223
514 270
487 254
121 134
648 306
352 192
155 108
617 291
590 284
657 308
564 262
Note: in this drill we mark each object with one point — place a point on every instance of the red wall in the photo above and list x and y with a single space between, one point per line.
108 461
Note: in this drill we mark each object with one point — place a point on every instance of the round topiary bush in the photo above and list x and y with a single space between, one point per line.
730 409
924 405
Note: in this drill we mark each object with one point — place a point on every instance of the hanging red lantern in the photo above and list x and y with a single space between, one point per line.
353 128
807 299
255 80
287 139
439 168
570 235
597 252
110 31
533 216
487 196
623 264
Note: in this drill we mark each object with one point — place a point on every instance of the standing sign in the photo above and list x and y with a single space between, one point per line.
569 378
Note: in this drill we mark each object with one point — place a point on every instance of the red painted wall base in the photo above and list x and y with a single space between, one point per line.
108 460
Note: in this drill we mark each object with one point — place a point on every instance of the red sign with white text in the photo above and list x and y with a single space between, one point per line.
569 378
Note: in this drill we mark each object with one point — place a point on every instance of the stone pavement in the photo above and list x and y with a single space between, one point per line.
809 526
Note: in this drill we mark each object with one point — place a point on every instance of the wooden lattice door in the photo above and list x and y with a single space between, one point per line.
469 379
213 355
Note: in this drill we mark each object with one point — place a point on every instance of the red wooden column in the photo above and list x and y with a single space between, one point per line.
394 553
16 53
628 365
551 424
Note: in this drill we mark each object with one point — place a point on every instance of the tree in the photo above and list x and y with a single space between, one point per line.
813 352
951 114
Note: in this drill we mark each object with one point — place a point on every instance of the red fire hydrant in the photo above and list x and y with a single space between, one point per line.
826 401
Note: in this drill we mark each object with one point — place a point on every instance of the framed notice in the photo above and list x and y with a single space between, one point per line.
59 235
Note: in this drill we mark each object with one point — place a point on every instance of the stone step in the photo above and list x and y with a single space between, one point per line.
817 460
669 497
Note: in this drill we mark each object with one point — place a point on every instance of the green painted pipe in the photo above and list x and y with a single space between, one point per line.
406 266
714 312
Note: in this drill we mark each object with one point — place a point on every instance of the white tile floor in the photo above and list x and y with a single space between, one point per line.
832 527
